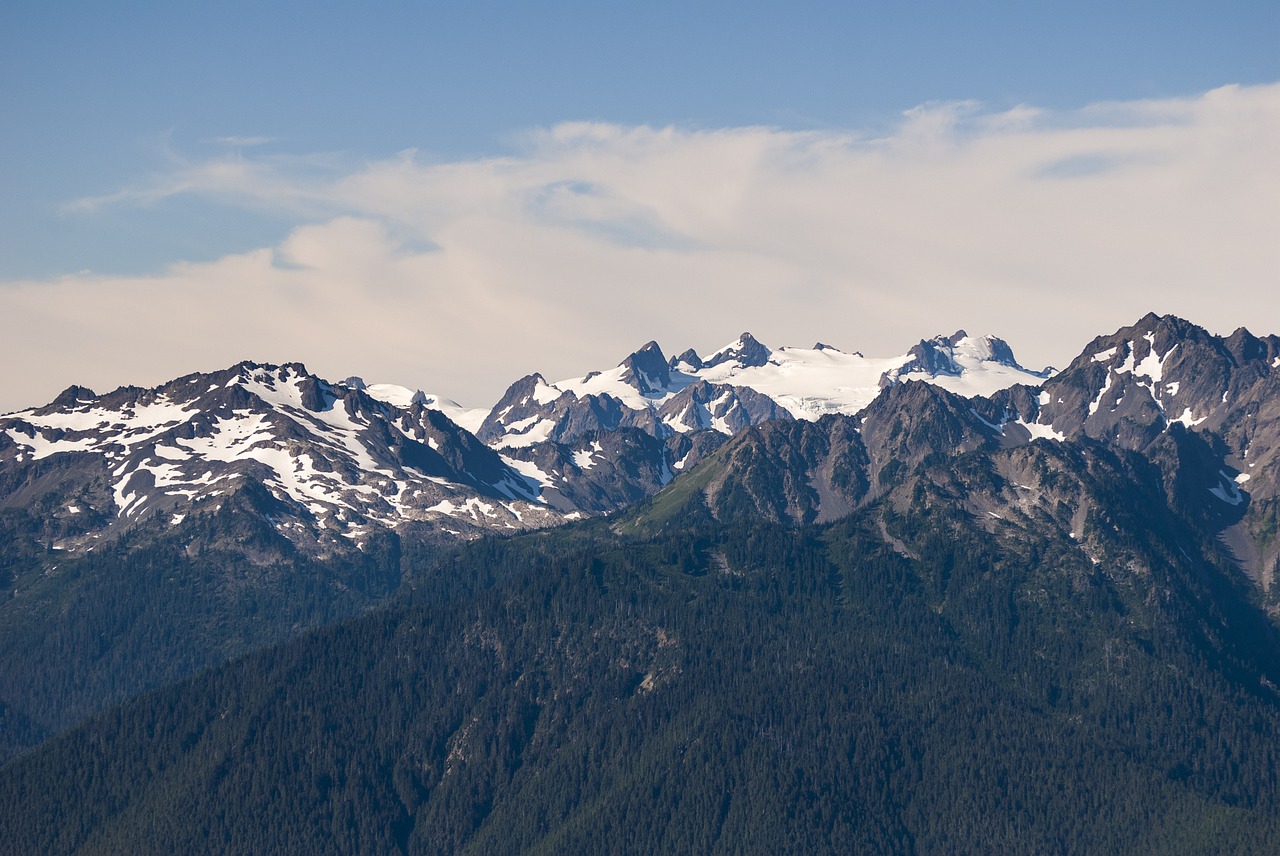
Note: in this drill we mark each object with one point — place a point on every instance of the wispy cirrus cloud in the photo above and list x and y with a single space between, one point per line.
293 184
589 238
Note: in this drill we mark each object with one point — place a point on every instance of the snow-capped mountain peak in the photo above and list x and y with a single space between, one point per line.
983 348
333 459
969 365
647 371
744 380
745 352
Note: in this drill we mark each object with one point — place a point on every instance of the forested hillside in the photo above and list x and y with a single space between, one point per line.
899 681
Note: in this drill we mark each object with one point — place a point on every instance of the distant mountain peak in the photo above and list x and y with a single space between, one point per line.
689 358
74 395
931 357
747 352
647 370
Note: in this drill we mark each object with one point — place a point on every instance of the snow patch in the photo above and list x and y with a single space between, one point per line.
42 448
521 424
1152 365
585 458
531 472
1227 491
1097 400
1042 432
545 393
1188 418
536 432
397 396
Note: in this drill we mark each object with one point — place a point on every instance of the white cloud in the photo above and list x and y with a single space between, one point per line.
1047 228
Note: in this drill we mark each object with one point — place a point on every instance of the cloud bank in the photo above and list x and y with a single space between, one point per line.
588 239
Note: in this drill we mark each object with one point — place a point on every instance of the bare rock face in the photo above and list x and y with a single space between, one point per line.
719 407
647 370
746 352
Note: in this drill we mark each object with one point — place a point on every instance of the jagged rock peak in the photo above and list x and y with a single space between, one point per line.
747 352
530 391
74 395
932 357
1160 334
647 370
650 348
689 358
334 462
251 367
315 394
1134 386
525 399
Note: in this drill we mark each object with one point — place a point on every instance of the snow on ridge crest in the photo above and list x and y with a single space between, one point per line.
334 453
806 383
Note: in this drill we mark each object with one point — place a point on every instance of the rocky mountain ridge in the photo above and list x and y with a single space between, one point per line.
339 461
1193 417
336 461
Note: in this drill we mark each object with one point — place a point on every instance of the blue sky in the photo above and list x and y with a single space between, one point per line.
116 117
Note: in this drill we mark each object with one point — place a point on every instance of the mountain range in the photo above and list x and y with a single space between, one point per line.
1040 582
343 458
